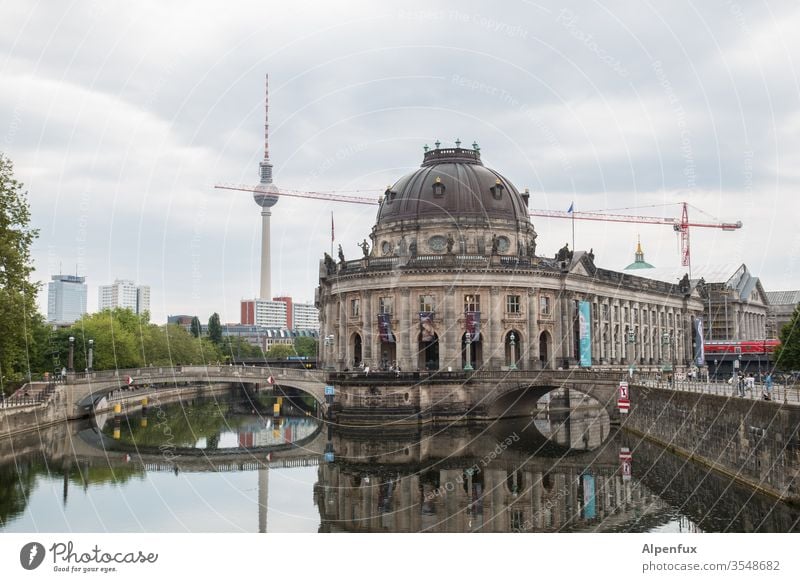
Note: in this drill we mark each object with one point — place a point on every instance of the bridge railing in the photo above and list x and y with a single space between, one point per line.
214 371
41 396
462 375
785 393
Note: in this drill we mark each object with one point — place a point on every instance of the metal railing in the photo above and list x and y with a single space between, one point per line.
41 396
780 393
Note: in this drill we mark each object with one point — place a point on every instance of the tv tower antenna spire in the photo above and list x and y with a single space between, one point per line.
265 167
264 197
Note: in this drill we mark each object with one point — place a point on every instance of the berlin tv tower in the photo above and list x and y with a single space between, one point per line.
265 200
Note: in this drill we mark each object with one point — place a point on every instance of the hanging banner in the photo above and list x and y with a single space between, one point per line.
427 331
385 328
585 334
699 347
473 322
589 509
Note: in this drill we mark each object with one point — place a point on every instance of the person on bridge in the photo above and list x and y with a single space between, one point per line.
768 386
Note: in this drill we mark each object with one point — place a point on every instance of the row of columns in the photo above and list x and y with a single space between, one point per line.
609 333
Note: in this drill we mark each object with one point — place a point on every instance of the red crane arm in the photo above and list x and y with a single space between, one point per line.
597 216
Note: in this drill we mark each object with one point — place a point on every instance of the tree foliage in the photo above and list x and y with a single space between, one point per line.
215 329
123 339
18 316
280 351
306 346
787 356
195 328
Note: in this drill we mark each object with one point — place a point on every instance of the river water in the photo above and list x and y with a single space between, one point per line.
227 463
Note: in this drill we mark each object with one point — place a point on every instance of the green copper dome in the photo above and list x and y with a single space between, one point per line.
639 263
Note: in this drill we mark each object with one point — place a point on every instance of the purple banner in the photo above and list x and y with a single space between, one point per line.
385 328
473 321
427 332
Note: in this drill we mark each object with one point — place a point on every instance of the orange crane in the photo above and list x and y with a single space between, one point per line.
680 226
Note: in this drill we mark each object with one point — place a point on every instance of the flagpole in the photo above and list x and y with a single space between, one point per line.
331 232
572 215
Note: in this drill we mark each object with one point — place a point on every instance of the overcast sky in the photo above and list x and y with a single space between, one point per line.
121 117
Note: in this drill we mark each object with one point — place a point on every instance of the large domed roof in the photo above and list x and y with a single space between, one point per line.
453 183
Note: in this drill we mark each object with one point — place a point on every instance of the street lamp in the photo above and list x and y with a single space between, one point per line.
631 351
90 359
468 365
513 365
71 357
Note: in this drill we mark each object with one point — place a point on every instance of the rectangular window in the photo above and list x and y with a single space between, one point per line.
385 305
616 313
635 316
472 302
512 304
605 311
355 307
625 315
427 303
544 305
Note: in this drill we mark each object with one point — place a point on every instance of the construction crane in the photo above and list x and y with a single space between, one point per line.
680 226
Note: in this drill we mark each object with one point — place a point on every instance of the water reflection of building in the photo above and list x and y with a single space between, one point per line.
265 432
505 497
496 479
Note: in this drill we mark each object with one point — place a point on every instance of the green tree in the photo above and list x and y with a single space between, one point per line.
17 293
215 329
280 351
306 346
787 356
195 328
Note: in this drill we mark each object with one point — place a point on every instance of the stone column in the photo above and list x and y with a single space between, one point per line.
341 338
449 346
533 332
367 327
401 333
493 350
412 337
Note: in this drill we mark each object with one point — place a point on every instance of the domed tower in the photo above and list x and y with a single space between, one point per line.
265 200
453 204
450 245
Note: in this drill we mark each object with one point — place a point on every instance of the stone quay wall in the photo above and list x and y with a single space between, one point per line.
753 442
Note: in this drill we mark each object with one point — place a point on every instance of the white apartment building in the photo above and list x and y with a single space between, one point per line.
124 294
305 316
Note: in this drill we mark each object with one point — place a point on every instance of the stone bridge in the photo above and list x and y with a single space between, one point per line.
481 394
84 391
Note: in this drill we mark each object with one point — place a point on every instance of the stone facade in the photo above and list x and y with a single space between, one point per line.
453 243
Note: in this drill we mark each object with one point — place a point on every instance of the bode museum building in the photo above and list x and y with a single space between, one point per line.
450 279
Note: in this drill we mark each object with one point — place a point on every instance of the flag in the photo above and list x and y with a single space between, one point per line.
332 237
571 207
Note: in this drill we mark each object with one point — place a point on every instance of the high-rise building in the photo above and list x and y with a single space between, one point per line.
305 316
124 294
66 298
280 313
265 313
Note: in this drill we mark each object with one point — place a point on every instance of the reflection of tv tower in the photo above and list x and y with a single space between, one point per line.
266 200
